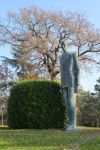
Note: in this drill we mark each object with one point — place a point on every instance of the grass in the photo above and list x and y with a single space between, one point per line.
50 139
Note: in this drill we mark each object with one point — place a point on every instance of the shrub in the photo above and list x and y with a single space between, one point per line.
89 110
36 104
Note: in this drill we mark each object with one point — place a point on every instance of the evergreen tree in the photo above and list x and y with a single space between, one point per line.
97 88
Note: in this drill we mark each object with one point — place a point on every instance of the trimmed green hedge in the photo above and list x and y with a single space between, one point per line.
36 104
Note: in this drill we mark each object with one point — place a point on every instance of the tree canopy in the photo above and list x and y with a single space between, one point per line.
36 36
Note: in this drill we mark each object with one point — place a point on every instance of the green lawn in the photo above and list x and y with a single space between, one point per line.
51 139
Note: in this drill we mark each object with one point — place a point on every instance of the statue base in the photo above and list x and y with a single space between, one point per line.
71 128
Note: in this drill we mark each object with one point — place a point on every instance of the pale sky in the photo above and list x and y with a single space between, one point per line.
91 9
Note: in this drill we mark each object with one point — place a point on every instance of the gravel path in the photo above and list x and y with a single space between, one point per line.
83 141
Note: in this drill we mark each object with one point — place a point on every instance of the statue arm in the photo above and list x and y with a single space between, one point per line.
61 65
76 69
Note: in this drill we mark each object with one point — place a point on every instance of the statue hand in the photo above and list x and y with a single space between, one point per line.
61 91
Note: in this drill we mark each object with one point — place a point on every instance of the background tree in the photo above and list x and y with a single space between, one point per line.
22 62
97 88
7 79
88 109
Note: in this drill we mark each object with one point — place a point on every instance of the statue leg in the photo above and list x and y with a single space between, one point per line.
70 101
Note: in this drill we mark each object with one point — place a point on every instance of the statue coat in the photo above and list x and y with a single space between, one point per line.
69 67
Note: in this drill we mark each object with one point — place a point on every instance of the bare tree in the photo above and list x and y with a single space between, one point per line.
40 34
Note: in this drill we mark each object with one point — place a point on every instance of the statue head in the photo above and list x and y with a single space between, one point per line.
64 46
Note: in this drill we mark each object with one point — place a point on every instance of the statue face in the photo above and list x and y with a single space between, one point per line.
65 47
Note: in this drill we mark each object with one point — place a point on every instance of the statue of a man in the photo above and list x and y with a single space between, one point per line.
69 67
